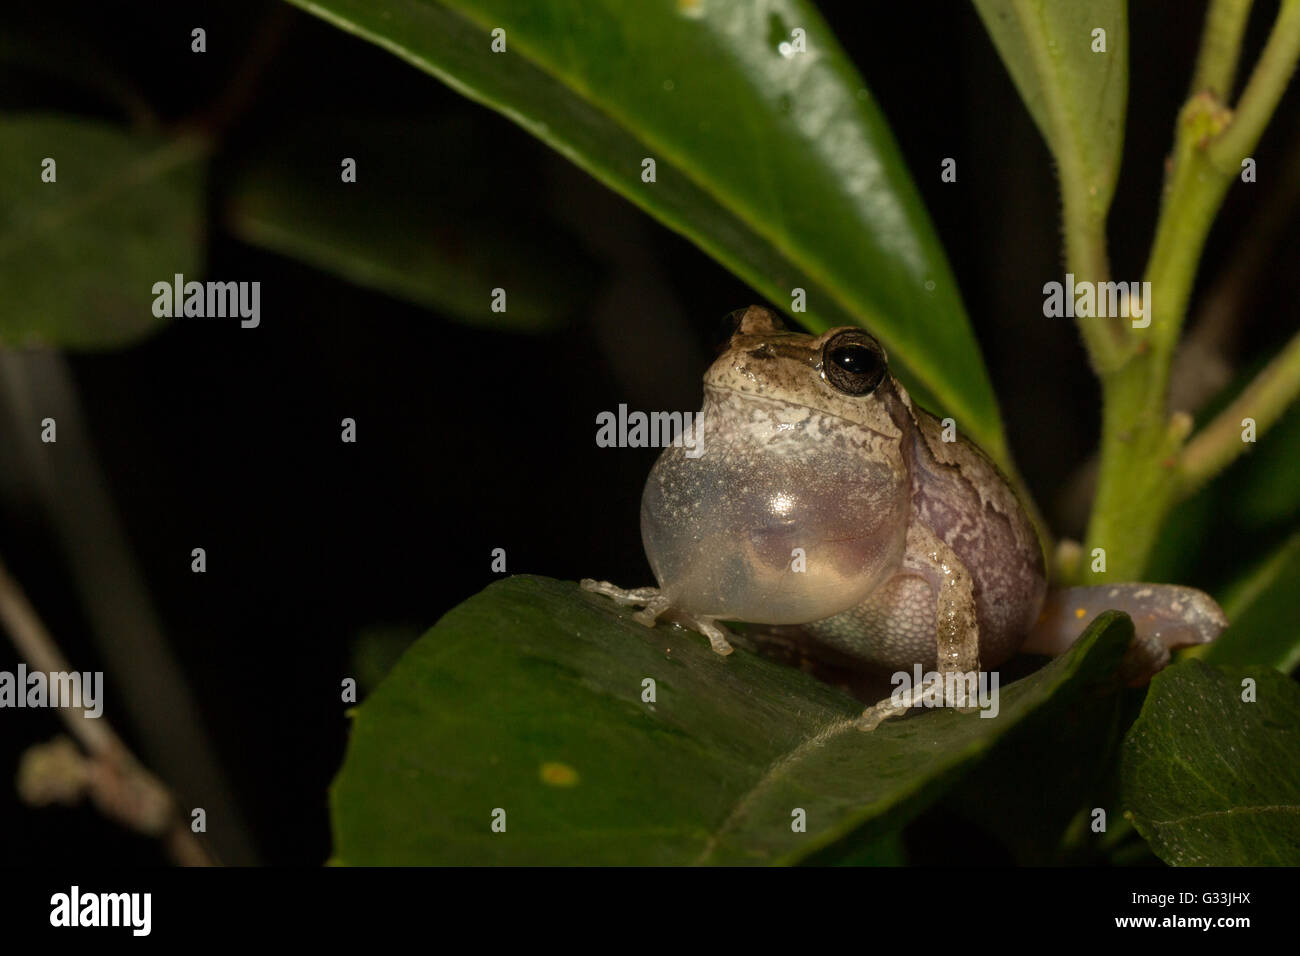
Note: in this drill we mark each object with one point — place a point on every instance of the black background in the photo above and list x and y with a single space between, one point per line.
469 440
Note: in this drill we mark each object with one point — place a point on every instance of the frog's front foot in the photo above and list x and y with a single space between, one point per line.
654 605
651 600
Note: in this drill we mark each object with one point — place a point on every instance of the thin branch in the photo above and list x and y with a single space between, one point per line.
1258 101
73 490
1192 199
1264 400
1205 360
1142 444
1216 65
241 92
1085 256
117 781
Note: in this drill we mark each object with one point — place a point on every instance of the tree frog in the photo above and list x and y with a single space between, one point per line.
818 497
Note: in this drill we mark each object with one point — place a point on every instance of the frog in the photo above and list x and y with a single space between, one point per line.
819 501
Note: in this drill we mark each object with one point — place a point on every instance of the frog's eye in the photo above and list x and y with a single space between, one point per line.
853 362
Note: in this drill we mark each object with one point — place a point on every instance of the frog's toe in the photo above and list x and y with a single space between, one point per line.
716 635
707 626
655 604
649 615
887 709
624 597
652 601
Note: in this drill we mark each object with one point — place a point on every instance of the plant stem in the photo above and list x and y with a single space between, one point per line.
72 491
1206 356
136 794
1085 256
1192 199
1259 99
1264 400
1138 454
1139 478
1220 46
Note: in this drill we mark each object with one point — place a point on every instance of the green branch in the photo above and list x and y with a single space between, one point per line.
1142 468
1085 256
1216 66
1259 99
1264 400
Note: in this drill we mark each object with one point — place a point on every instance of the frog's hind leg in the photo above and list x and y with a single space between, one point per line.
1165 617
654 605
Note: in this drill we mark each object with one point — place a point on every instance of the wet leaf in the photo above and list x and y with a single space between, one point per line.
1211 780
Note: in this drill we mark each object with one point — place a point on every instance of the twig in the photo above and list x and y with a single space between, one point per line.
1259 99
128 634
1216 65
1264 400
1206 359
239 95
1141 442
118 781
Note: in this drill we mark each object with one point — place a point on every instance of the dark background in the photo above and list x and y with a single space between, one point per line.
469 439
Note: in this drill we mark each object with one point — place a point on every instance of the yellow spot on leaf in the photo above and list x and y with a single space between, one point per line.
559 775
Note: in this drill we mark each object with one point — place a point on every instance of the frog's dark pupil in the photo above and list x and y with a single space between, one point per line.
855 359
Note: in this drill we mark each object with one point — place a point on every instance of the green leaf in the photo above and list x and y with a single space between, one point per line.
422 222
886 849
1261 607
79 256
780 167
1036 790
528 698
1076 97
1211 780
